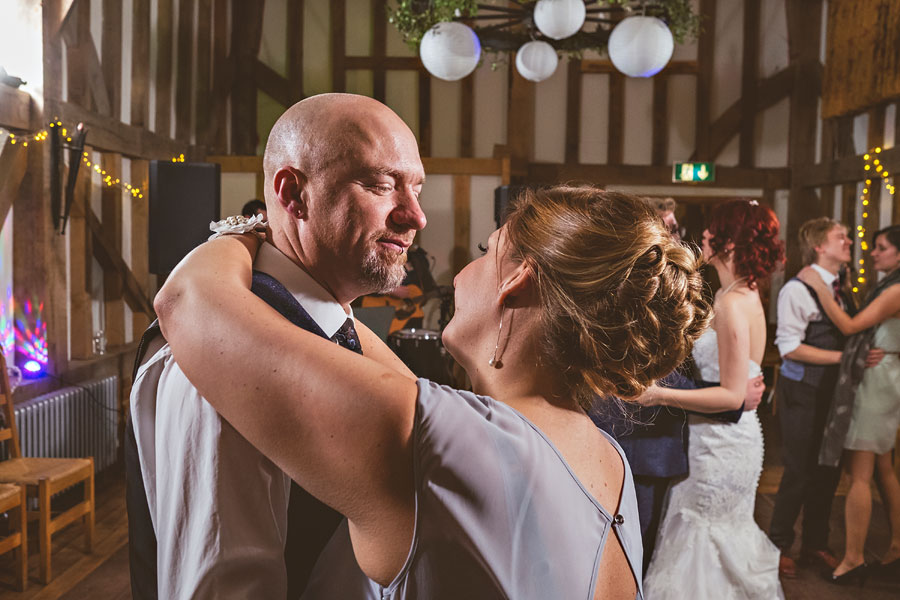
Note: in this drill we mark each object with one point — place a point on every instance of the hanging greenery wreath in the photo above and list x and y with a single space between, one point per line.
510 27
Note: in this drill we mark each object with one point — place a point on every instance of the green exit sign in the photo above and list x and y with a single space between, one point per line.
693 172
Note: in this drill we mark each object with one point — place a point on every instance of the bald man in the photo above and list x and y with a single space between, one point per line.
342 181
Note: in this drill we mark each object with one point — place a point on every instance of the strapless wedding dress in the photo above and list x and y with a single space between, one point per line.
709 545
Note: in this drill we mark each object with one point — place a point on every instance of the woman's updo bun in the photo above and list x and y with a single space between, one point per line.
622 302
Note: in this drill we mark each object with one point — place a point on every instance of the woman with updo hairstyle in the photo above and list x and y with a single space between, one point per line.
708 529
507 492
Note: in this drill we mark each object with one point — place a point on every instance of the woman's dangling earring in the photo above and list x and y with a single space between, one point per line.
495 360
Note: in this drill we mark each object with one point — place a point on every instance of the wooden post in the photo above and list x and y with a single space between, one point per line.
615 148
203 77
379 49
140 241
872 213
660 143
295 49
111 54
804 31
749 83
164 28
520 116
338 45
705 57
80 265
246 34
184 74
467 117
140 63
573 111
114 327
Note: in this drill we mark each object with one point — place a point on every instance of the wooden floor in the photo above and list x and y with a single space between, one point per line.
104 574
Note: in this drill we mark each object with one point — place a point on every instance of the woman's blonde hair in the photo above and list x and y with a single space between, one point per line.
622 301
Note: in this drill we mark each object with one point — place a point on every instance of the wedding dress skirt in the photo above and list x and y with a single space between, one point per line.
709 546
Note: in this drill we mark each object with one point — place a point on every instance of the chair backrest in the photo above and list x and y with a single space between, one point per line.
8 430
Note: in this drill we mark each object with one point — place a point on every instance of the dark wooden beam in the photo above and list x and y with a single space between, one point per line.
379 48
615 142
164 36
726 177
804 21
749 82
184 74
140 247
675 67
338 45
705 52
843 170
295 14
223 72
771 90
246 34
424 80
76 31
111 50
660 143
203 77
17 109
140 64
520 116
871 214
114 136
273 84
573 111
390 63
111 213
13 163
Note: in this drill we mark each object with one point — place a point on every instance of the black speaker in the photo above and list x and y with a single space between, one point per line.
184 198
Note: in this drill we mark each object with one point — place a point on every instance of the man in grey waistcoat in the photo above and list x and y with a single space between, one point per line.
209 515
810 346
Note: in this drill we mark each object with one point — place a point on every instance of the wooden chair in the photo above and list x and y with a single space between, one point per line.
44 477
12 500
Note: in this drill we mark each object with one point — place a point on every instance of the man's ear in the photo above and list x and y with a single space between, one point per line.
516 286
290 188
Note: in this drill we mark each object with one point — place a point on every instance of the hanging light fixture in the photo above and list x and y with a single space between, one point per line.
536 61
558 19
640 46
450 50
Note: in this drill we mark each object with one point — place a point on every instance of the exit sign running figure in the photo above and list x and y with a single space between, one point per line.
693 172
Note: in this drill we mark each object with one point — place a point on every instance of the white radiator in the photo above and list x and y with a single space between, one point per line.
73 422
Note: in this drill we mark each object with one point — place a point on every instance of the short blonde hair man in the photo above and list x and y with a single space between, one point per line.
812 234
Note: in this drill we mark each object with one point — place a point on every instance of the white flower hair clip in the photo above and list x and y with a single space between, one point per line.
754 202
239 224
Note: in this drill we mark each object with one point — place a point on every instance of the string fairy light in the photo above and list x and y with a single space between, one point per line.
873 163
109 180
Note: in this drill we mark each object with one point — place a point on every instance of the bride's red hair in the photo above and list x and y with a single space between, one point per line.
753 229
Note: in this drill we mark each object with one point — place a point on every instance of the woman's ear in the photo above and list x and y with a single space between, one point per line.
290 187
516 286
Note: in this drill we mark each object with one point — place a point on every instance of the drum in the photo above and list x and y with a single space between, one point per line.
423 353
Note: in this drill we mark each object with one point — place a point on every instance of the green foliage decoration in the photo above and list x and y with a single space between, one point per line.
413 18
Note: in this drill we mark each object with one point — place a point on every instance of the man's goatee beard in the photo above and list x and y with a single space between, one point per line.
381 275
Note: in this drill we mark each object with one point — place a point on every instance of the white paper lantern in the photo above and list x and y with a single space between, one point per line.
450 50
640 46
536 61
558 19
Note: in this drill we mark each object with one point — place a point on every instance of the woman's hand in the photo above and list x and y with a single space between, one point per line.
650 397
811 277
874 357
755 389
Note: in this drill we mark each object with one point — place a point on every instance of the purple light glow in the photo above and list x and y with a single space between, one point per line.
32 366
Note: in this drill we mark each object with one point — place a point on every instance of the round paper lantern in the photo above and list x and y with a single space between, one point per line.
536 61
450 50
558 19
640 46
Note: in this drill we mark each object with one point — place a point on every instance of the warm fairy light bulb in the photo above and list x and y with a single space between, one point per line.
865 202
855 290
868 167
864 246
866 156
865 215
878 150
862 271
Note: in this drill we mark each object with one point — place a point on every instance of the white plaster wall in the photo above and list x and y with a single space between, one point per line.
491 91
728 55
682 116
638 121
273 44
550 116
771 149
316 48
237 189
594 118
445 119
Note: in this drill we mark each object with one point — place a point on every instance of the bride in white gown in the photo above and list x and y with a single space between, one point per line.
709 545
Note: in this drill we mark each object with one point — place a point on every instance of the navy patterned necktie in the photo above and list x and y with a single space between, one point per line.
836 290
346 337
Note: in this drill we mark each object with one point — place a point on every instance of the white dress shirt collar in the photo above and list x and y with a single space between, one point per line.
827 276
321 306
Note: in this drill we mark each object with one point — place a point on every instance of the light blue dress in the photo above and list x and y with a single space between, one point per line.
499 514
876 411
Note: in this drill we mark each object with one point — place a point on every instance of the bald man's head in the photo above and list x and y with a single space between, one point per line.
342 178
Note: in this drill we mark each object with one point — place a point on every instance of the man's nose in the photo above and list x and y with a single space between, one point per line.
408 213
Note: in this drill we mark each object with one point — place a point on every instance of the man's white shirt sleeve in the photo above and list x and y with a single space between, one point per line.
219 507
796 308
